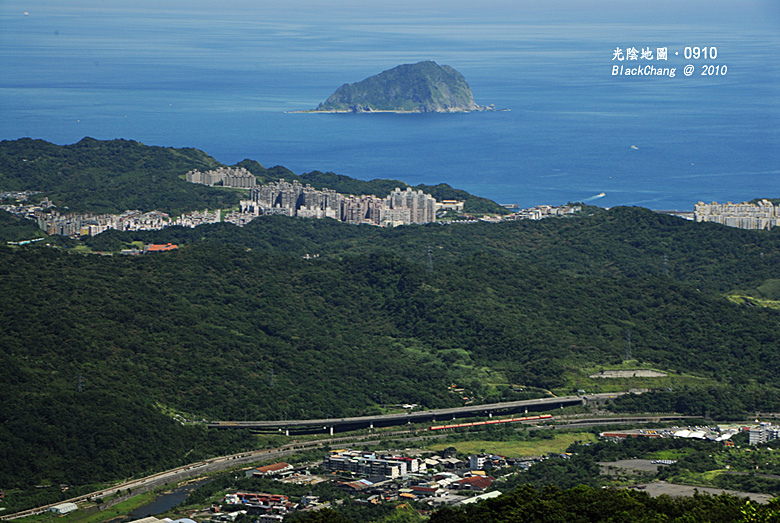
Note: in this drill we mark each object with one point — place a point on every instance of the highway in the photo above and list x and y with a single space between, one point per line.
386 420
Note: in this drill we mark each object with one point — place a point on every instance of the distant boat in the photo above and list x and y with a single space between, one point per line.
600 195
634 147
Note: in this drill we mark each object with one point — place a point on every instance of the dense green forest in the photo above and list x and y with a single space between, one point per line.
200 330
96 352
588 505
13 229
628 242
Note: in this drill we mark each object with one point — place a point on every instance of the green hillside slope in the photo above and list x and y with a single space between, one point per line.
199 331
96 352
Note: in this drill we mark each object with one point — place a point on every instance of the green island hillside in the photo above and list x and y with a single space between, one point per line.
101 357
424 87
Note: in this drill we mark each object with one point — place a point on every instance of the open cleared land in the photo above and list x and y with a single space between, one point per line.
518 449
634 373
660 488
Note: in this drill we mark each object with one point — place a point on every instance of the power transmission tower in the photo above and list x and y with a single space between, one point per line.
272 377
81 384
666 265
429 261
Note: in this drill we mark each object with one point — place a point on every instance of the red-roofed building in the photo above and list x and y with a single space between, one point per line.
479 483
272 470
161 248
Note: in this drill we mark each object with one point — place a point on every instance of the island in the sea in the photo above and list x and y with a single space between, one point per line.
424 87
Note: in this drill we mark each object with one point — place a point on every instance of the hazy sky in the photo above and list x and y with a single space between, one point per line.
633 10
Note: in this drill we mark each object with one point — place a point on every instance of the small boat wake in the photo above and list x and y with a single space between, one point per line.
592 198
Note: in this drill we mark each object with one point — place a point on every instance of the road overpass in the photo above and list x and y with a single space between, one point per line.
332 425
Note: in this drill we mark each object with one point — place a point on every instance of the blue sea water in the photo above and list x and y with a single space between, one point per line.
223 77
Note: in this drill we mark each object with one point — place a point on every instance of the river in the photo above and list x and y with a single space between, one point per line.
167 501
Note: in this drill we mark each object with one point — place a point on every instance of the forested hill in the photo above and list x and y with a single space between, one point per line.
589 505
98 352
200 330
115 175
621 242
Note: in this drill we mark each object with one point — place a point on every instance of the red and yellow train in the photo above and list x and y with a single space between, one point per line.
491 422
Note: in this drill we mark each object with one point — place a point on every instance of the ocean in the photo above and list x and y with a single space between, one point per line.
223 77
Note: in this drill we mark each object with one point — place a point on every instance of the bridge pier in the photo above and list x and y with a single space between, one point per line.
331 430
371 425
490 414
286 432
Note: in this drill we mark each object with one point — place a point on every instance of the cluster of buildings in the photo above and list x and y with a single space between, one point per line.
19 196
224 176
374 477
435 480
544 211
152 247
72 224
293 199
371 464
718 434
400 207
763 433
761 215
267 508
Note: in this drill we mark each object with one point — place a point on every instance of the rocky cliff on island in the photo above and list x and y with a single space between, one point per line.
424 87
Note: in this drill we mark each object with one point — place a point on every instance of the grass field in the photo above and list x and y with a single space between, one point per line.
518 449
741 299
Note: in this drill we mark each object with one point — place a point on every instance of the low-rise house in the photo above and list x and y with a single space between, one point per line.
263 505
486 461
355 486
480 497
272 470
451 463
475 483
228 517
63 508
160 248
445 499
426 492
